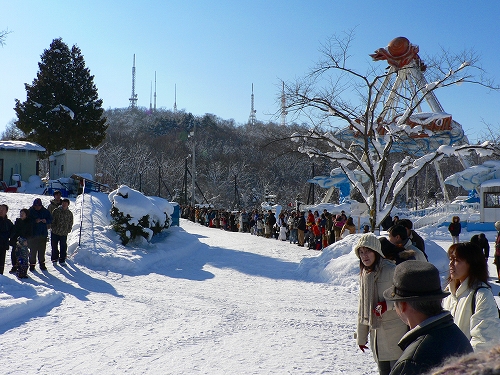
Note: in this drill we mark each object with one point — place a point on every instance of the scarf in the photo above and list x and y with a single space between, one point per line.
368 299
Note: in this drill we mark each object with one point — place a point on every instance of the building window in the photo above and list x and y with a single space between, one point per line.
492 200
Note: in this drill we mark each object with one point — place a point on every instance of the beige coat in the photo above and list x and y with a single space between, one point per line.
483 327
383 340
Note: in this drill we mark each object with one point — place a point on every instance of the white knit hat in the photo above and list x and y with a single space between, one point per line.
370 241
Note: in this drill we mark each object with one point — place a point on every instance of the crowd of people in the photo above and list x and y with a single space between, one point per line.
27 237
410 324
310 229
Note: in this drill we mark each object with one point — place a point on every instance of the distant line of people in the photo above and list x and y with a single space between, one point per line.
313 229
30 231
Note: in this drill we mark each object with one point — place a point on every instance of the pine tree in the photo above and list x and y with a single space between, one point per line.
62 108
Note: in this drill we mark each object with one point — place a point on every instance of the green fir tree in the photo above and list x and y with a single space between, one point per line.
62 108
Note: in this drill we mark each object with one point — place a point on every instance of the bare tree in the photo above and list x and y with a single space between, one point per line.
3 36
370 115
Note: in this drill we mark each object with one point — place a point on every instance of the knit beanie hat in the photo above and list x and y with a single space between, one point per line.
497 225
370 241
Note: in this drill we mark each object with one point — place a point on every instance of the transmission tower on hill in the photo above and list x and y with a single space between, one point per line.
252 118
154 108
175 98
283 106
133 97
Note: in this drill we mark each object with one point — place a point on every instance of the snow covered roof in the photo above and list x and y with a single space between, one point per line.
21 146
491 183
64 151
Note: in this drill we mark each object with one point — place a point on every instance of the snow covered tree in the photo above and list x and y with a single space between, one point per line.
62 109
387 117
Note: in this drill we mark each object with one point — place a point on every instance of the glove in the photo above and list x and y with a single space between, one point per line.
363 347
380 308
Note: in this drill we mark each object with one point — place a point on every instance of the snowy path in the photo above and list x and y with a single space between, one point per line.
213 303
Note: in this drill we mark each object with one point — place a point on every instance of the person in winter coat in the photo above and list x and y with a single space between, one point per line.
62 223
394 253
398 235
23 227
433 337
471 302
282 224
292 227
496 260
41 219
56 202
270 221
301 229
455 228
377 317
5 233
415 238
481 241
338 223
348 228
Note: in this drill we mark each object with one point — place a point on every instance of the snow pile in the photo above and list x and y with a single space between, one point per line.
134 215
338 264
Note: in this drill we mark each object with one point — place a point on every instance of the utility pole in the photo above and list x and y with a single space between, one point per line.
193 172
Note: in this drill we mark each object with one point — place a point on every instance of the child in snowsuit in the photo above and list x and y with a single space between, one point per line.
22 256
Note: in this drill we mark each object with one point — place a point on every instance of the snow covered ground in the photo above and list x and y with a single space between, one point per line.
196 300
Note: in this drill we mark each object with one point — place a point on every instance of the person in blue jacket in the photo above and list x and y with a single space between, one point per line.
41 219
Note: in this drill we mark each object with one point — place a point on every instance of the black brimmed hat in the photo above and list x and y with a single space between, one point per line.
415 281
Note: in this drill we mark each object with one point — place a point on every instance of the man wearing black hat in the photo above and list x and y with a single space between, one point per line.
433 335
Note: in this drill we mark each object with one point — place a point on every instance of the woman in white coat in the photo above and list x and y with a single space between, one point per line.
376 317
471 301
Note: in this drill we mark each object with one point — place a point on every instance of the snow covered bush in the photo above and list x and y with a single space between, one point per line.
135 215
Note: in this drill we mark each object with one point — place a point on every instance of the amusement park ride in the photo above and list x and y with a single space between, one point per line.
401 89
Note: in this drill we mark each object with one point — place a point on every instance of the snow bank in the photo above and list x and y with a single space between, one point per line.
338 264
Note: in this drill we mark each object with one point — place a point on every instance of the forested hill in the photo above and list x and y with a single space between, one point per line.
235 164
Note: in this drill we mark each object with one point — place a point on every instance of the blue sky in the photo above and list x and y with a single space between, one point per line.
214 50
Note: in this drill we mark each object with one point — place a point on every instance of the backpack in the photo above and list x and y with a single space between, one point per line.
474 300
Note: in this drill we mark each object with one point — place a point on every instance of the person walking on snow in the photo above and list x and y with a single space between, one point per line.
62 223
455 228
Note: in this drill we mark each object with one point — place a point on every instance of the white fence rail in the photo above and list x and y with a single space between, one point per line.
438 215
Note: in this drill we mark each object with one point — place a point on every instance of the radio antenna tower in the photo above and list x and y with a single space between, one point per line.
133 97
151 97
252 118
155 93
175 98
283 106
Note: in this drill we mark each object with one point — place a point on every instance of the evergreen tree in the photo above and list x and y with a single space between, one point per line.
62 108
